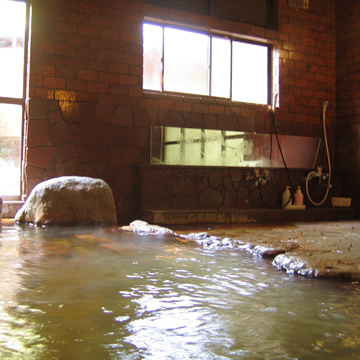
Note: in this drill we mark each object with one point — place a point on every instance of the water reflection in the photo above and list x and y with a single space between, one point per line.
73 294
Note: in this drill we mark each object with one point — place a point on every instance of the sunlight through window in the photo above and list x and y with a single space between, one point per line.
186 58
250 75
153 40
220 67
12 29
190 62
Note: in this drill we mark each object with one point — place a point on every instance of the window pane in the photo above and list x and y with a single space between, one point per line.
220 67
152 51
12 28
250 73
186 64
10 147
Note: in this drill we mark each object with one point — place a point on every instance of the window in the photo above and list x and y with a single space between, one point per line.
12 30
190 62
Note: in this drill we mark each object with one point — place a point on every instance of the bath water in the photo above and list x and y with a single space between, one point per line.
86 293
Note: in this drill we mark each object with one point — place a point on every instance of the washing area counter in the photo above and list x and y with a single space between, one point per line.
231 177
236 216
215 195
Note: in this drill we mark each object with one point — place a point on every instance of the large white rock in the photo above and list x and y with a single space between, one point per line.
142 227
69 200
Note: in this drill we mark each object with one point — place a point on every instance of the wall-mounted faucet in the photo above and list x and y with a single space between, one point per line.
259 177
318 172
184 176
322 176
201 177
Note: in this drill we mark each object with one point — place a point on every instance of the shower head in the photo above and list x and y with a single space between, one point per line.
275 102
326 103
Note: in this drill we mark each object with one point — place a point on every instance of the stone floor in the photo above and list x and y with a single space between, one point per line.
316 249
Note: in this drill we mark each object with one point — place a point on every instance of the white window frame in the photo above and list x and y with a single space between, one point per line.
270 54
20 101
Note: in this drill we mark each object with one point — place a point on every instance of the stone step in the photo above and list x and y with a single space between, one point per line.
239 216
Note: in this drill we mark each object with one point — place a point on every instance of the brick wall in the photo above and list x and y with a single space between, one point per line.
348 96
87 113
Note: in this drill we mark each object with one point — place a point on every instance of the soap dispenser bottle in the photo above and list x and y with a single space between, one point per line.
298 197
286 197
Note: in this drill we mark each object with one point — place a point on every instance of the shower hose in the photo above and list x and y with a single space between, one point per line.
316 173
272 112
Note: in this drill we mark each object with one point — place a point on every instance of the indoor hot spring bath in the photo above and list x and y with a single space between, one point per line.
89 293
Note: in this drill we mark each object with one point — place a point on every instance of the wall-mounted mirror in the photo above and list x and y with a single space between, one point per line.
202 147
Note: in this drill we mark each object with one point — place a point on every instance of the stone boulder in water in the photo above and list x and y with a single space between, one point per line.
143 228
204 239
69 200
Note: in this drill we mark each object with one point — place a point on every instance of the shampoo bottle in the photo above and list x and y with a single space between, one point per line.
286 197
298 197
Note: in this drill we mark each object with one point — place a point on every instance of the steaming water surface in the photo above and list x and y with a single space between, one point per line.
87 294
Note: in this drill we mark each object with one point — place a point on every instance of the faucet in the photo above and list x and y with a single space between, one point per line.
319 174
201 177
184 176
258 177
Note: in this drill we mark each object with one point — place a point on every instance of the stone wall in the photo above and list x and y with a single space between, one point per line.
88 115
212 188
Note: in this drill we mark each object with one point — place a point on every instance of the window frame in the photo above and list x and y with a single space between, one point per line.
213 34
20 101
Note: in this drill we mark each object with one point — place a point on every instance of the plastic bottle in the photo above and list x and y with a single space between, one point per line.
286 197
298 197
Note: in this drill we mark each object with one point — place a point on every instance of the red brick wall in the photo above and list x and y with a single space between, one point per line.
348 96
87 113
